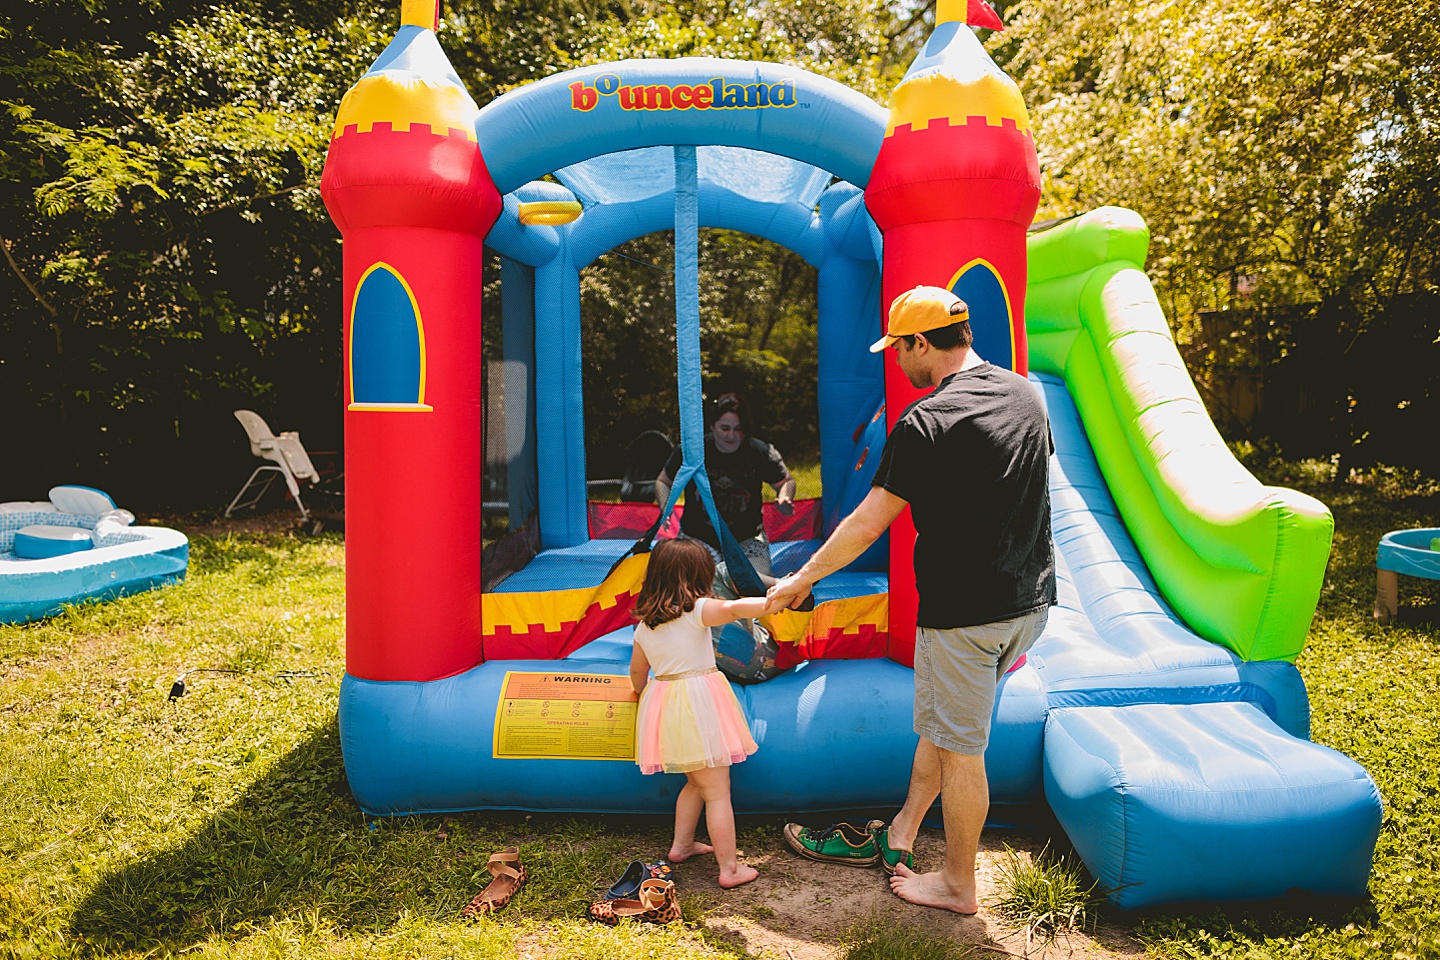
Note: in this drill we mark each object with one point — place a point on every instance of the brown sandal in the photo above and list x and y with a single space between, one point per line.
509 874
657 904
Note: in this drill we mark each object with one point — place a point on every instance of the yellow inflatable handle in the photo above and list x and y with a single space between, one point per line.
550 213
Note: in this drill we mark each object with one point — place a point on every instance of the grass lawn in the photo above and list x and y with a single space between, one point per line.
221 824
1375 696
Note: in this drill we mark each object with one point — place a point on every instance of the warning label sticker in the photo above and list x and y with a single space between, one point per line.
565 716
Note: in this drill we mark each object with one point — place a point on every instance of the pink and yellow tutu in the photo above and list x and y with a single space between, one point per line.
687 721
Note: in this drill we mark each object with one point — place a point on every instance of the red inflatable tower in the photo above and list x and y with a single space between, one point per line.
406 184
954 189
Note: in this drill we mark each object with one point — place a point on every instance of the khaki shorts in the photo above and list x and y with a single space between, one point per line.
956 674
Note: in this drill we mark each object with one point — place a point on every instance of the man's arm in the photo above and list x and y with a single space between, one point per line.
662 489
856 532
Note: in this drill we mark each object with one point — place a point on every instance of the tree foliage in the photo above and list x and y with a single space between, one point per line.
1286 156
1293 143
166 257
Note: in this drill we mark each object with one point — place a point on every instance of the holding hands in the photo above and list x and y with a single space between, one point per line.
788 592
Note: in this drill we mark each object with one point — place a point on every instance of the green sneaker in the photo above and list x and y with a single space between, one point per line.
837 843
889 858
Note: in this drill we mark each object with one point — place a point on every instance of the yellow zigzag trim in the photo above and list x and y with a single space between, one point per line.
936 96
846 615
401 100
549 609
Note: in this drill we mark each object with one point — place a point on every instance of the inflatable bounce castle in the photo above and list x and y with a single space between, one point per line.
1160 717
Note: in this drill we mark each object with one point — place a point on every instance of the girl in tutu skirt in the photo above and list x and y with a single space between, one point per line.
689 720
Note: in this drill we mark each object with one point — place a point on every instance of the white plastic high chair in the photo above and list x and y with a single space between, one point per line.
286 456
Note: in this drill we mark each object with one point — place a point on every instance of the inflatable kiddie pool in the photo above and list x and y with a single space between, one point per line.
1161 716
79 546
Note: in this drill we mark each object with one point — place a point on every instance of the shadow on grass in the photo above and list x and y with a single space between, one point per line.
292 844
295 846
1421 615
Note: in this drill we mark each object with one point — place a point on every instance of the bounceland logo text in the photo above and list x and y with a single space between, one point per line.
718 94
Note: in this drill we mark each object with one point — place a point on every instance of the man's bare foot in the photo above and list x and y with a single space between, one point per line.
931 890
743 874
901 835
680 854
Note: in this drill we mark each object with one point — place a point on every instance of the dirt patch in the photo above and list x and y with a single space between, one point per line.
799 909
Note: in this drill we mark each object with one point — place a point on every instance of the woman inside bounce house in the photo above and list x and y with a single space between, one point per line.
738 464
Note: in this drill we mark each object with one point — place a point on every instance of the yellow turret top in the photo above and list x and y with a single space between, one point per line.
955 79
411 82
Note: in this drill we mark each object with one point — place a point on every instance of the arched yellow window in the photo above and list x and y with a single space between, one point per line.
387 344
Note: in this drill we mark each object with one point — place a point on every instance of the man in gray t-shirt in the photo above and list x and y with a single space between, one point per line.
971 459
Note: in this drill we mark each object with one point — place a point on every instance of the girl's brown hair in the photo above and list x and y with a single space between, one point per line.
680 572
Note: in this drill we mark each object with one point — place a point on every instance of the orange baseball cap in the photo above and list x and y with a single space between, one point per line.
916 311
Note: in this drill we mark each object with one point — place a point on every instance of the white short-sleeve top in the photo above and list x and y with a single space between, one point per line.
681 645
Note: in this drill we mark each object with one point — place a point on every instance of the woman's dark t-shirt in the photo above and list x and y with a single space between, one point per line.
735 480
972 460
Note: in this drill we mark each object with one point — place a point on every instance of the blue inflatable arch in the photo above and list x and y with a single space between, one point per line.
764 170
827 125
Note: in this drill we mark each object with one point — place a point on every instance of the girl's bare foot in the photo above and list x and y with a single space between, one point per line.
931 890
743 874
680 854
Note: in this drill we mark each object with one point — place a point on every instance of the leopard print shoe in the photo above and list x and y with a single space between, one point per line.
510 876
657 904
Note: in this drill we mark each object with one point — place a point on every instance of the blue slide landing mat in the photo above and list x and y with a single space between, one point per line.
1168 803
